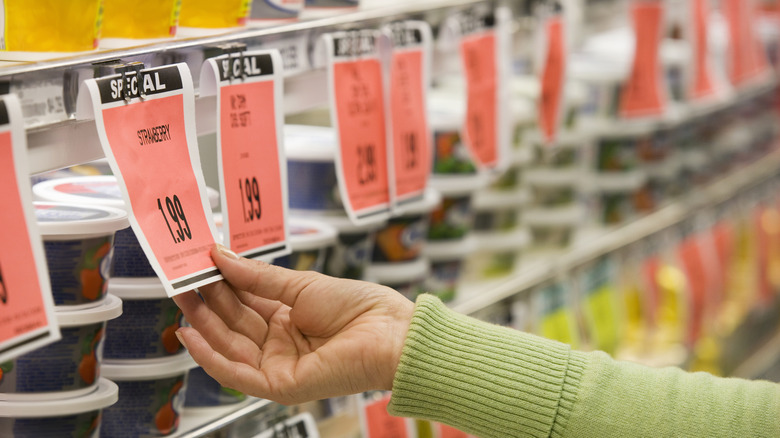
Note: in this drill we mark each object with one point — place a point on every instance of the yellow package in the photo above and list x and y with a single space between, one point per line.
145 19
51 25
214 14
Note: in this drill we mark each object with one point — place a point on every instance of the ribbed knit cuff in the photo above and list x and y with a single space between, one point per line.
483 379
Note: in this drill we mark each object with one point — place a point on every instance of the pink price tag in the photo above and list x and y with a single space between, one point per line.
26 305
380 424
358 114
450 432
702 83
746 56
253 171
410 135
553 76
146 128
644 93
478 54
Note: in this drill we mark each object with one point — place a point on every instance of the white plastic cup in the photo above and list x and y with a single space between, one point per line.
311 170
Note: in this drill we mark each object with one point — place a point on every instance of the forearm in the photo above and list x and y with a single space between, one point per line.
495 382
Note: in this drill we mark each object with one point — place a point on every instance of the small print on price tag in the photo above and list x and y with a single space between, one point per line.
252 165
374 419
553 77
146 125
358 113
702 84
644 94
410 137
27 317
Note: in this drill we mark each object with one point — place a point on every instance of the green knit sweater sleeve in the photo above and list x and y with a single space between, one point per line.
492 381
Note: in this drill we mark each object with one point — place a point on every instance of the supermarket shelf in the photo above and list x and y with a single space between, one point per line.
201 421
547 268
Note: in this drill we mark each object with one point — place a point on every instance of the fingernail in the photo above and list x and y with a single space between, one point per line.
227 252
181 339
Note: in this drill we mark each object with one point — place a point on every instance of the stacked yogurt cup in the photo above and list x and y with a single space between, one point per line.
65 376
141 350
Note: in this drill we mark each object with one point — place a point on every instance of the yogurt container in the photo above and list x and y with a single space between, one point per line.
201 17
325 8
203 391
620 149
552 228
129 259
496 254
497 211
153 392
271 11
147 327
446 116
77 240
70 367
403 237
552 188
574 95
146 23
73 417
602 79
447 263
454 217
407 278
567 151
348 257
311 170
309 242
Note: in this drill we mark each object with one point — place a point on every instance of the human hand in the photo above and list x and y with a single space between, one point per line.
291 336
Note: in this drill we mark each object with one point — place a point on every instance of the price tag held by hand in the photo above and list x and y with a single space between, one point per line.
253 169
410 137
553 77
645 94
358 113
146 126
27 317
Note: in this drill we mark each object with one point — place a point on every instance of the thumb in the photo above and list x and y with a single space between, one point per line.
260 278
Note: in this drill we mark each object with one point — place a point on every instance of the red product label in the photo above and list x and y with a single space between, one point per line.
552 78
361 123
411 142
702 84
380 424
250 166
163 191
746 56
644 93
478 53
22 308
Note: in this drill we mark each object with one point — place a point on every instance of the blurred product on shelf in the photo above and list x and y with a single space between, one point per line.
77 416
311 170
205 392
309 242
402 239
70 367
151 396
147 327
351 253
408 278
324 8
145 22
78 241
128 259
50 26
447 259
446 115
201 18
265 12
453 218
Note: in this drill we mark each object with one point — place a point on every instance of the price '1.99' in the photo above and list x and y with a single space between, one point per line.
250 191
181 230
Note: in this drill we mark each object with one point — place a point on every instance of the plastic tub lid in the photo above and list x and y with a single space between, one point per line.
308 234
137 288
456 185
498 241
554 217
488 200
554 177
450 250
109 308
147 369
105 395
397 273
309 143
342 223
58 219
95 190
431 199
619 182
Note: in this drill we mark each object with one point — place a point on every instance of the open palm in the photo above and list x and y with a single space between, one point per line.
293 336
